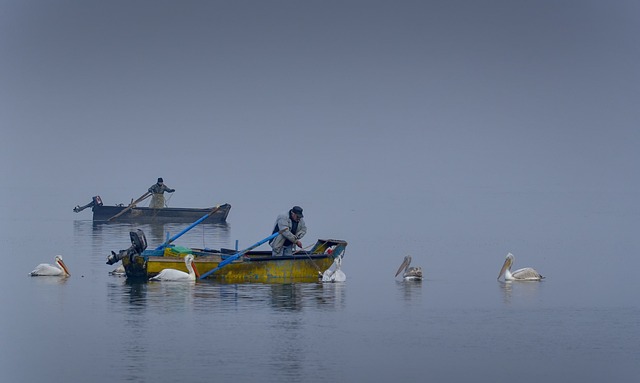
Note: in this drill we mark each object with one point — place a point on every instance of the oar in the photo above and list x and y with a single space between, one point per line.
131 206
239 254
168 241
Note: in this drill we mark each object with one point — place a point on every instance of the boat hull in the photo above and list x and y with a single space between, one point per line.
168 214
254 266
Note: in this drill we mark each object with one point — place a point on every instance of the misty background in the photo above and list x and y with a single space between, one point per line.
376 113
452 131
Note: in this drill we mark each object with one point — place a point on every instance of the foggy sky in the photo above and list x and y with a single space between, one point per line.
273 103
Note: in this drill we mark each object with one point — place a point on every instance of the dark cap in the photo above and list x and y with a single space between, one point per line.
298 211
160 180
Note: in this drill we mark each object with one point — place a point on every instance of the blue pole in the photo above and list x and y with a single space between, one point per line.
168 241
238 255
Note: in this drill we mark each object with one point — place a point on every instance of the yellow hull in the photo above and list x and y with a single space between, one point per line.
269 269
253 266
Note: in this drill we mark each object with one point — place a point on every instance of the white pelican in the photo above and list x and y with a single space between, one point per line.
525 274
410 273
177 275
45 269
118 271
335 275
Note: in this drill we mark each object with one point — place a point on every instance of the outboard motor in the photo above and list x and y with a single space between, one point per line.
95 201
138 245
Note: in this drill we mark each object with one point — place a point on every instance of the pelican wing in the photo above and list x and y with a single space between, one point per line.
413 273
172 275
527 273
178 275
45 269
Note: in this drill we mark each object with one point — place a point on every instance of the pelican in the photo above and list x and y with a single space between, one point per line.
118 271
45 269
177 275
525 274
335 275
410 273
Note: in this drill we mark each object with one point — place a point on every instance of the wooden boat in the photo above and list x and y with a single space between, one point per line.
133 213
245 266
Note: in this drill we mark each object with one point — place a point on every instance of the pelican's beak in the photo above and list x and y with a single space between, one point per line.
403 265
505 266
195 269
64 267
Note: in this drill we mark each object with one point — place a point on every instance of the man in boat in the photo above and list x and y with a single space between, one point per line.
292 229
157 193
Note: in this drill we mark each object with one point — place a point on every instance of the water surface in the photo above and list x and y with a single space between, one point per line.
459 324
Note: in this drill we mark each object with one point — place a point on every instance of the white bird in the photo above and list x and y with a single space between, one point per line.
45 269
525 274
178 275
333 273
410 273
118 271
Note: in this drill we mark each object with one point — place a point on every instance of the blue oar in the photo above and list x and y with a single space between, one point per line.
168 241
239 254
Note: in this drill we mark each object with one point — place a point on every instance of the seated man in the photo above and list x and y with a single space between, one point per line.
292 229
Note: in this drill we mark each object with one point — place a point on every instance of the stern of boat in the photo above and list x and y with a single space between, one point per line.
333 247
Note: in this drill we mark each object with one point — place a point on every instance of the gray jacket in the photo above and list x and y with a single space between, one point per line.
284 221
159 189
157 197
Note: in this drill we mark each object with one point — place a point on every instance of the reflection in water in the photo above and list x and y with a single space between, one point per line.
116 235
50 280
290 297
330 295
125 295
129 300
286 297
410 290
132 297
521 291
288 356
298 296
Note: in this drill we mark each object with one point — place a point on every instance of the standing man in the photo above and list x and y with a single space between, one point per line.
292 229
157 190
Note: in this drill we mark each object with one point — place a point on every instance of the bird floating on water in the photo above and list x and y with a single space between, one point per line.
334 273
45 269
118 271
524 274
178 275
410 273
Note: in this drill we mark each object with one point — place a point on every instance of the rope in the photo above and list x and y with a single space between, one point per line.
166 200
308 256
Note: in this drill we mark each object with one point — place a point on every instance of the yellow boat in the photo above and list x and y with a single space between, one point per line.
238 267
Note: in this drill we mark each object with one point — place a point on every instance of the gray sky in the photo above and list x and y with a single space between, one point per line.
250 102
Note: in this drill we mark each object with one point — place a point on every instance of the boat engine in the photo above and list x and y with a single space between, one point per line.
138 245
95 201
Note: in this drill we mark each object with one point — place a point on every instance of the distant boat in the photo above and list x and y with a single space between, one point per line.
134 213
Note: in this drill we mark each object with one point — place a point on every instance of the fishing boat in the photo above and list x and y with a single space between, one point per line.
140 214
229 265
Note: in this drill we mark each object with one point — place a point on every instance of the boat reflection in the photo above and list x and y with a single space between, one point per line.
125 294
214 235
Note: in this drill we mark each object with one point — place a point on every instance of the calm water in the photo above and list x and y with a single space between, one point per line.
580 324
